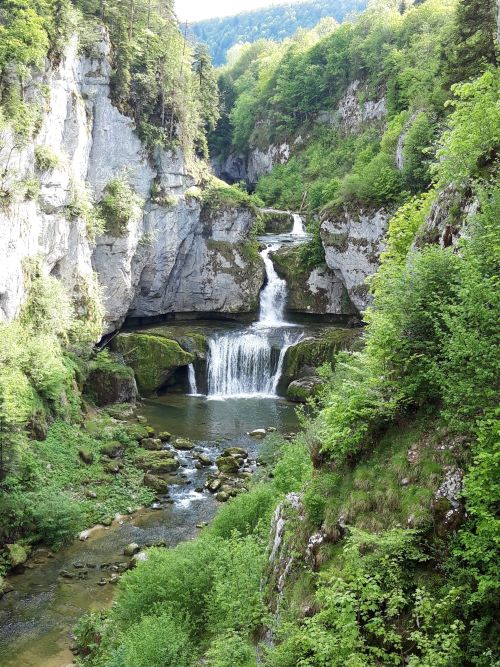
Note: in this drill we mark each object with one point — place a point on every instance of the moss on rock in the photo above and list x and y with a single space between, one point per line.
303 358
110 381
153 358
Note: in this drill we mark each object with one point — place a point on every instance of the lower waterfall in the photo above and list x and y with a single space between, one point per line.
250 363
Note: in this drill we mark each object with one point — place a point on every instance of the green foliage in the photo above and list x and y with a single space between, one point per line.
230 650
45 158
219 196
156 641
472 45
120 206
469 148
81 205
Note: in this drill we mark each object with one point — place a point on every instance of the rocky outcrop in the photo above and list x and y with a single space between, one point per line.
170 258
261 161
231 169
352 113
302 359
353 242
154 359
316 291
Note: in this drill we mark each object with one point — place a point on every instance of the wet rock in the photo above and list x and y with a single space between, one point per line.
227 464
222 496
258 433
204 459
66 575
271 429
152 444
236 452
299 391
213 485
131 549
86 455
157 462
155 482
79 566
41 556
5 587
102 582
141 419
183 444
17 554
164 436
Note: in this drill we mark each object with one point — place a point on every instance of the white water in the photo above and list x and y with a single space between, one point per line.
193 389
273 296
249 364
298 226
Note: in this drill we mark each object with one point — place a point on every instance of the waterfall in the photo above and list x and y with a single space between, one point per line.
250 363
241 365
193 389
273 296
298 225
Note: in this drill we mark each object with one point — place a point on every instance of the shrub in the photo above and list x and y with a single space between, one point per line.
45 158
119 206
230 650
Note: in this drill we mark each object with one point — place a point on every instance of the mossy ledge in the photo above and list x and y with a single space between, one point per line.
153 358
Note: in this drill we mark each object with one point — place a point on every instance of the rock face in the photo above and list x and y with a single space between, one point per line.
353 243
154 359
174 257
317 291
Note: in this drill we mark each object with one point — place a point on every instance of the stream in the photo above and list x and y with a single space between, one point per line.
243 371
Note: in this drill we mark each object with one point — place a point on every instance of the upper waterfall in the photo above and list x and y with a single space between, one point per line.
298 226
273 296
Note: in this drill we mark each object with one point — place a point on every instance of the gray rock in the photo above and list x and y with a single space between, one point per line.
131 549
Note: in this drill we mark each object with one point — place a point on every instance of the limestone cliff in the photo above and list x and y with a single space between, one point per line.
171 257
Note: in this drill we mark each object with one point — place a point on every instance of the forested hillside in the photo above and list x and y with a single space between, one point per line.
275 23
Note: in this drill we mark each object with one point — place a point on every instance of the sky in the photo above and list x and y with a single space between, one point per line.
197 10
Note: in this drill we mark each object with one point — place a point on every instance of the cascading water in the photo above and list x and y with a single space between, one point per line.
273 296
298 229
250 363
193 389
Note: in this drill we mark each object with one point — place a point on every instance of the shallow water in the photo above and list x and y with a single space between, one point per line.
36 620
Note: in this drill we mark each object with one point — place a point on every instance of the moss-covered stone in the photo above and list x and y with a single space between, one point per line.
113 449
136 431
110 381
299 391
17 554
155 482
303 358
153 358
156 462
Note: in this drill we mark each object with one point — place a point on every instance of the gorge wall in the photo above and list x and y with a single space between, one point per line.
177 255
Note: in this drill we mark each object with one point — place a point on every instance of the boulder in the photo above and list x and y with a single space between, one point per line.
164 436
157 462
86 455
299 391
152 444
228 464
155 482
136 431
258 433
183 444
17 554
236 452
113 449
110 381
153 358
131 549
304 357
204 460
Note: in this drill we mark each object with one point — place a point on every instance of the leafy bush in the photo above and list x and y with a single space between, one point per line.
45 158
119 206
